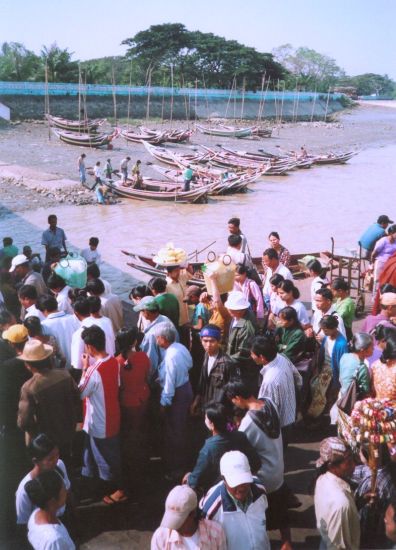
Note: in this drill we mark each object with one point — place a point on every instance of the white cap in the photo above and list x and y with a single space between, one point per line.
181 501
236 300
18 260
234 467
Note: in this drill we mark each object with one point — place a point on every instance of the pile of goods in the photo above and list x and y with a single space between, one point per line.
170 256
374 421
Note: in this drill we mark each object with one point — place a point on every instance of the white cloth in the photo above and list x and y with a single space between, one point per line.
62 326
48 536
192 543
23 504
239 257
63 300
211 362
337 518
317 316
317 283
278 385
282 270
32 311
97 171
301 310
77 343
91 256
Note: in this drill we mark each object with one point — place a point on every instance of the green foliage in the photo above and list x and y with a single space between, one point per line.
17 63
370 83
60 66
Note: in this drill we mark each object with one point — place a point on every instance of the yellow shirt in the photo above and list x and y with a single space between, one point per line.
178 289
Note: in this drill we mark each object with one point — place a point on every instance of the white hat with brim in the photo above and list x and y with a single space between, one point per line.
234 467
236 300
18 260
34 350
181 501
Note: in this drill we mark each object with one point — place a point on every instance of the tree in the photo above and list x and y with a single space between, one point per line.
371 83
61 68
17 63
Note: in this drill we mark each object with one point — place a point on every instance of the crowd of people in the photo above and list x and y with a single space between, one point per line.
211 384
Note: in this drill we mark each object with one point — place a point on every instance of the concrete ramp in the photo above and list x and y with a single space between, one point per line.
5 112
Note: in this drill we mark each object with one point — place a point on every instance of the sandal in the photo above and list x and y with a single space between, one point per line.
115 498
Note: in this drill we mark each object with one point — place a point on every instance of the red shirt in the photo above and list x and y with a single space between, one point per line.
134 387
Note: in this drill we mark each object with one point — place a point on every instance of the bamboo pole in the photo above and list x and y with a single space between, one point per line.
261 97
171 102
327 105
243 96
129 96
148 94
313 104
46 101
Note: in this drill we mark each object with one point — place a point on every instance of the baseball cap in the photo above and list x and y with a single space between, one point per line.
147 303
181 501
18 260
384 219
332 449
234 467
16 334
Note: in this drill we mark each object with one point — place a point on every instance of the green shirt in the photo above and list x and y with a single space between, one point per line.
346 309
348 364
168 305
290 341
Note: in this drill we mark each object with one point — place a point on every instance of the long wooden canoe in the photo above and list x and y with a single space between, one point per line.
175 195
82 126
86 140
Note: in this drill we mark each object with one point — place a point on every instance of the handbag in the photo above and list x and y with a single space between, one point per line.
348 400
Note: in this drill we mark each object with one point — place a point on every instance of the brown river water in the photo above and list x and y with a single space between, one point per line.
306 207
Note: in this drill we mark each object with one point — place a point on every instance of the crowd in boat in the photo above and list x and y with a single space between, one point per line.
210 384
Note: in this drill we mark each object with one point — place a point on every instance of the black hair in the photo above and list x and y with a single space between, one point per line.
28 291
93 271
158 284
276 279
340 284
262 345
236 388
288 286
274 234
47 303
75 294
271 253
5 317
389 351
125 339
234 240
288 313
33 326
387 287
217 414
40 365
325 293
52 217
316 267
95 287
55 281
329 321
140 291
241 269
82 307
44 488
40 447
234 221
94 241
7 241
382 332
94 336
95 304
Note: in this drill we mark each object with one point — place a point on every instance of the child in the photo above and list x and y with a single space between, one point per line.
91 254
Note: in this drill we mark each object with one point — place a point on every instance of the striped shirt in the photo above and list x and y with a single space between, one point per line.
278 385
99 386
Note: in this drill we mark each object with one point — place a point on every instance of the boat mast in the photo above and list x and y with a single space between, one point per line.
129 95
114 94
46 101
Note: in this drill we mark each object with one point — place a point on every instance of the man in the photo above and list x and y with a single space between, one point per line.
60 289
272 265
95 308
28 298
124 170
176 396
91 254
111 304
59 324
53 236
234 250
278 375
337 518
324 306
187 177
81 168
239 504
242 332
54 256
26 276
215 371
183 528
388 311
372 234
99 386
135 172
235 229
93 272
167 302
390 522
34 259
49 401
9 250
176 284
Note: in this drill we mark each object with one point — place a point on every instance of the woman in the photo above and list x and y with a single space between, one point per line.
355 364
250 290
275 303
289 295
35 331
99 189
383 250
319 279
47 492
137 293
384 372
283 253
289 335
45 457
344 305
381 333
206 471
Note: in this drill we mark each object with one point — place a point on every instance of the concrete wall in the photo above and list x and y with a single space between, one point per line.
4 112
32 107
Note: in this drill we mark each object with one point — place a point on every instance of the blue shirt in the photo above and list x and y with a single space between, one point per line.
200 311
55 238
174 371
371 236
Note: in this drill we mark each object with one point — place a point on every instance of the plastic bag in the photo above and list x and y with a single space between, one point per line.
73 270
225 270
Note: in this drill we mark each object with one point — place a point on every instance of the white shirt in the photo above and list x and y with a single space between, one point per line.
32 311
301 310
239 257
63 300
317 316
282 270
211 362
77 343
91 256
316 284
48 536
278 385
62 326
23 504
97 171
337 518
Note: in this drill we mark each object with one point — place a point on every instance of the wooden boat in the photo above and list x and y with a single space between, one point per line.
167 157
152 137
82 126
230 160
173 136
333 158
158 193
87 140
226 131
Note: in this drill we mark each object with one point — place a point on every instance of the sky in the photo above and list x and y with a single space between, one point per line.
358 34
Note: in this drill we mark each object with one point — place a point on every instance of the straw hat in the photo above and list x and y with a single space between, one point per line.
35 350
16 334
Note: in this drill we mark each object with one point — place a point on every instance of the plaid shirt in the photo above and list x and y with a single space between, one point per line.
211 537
